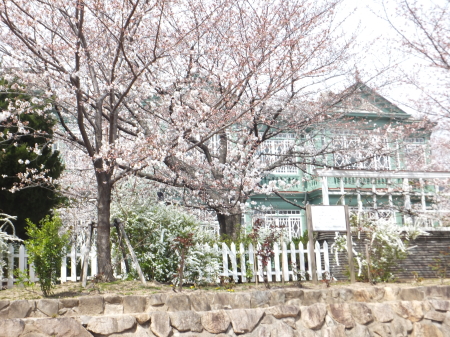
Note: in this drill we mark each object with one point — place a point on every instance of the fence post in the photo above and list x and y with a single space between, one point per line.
285 262
251 261
64 269
73 263
21 258
32 273
260 268
308 250
276 256
93 257
326 258
293 262
318 262
302 259
10 266
225 259
243 266
269 270
233 259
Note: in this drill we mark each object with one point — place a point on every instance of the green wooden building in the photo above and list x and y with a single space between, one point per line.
377 172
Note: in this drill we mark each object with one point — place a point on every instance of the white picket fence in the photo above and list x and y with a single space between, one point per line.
234 263
18 259
284 262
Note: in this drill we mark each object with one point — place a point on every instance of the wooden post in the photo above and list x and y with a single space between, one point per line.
121 246
351 264
86 256
283 266
133 255
368 263
311 244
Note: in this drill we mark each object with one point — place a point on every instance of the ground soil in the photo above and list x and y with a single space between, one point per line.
74 289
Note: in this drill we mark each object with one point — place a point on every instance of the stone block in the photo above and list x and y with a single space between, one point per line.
3 304
283 311
281 329
334 331
441 305
313 296
201 302
380 329
409 310
107 325
11 327
314 315
426 330
135 303
186 321
361 313
244 320
68 303
277 297
20 309
113 309
438 292
342 294
259 299
215 321
47 308
61 327
381 311
363 295
160 324
291 294
391 293
341 313
401 326
178 303
113 299
91 305
358 331
411 294
142 318
435 316
156 300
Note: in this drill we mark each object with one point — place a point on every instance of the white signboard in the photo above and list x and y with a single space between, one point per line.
328 218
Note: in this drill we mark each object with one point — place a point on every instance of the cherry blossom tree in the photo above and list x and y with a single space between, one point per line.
153 88
423 29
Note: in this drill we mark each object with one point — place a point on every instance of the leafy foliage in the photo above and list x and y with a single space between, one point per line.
25 144
153 230
46 248
441 264
386 243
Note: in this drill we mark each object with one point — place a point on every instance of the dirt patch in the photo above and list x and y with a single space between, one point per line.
125 288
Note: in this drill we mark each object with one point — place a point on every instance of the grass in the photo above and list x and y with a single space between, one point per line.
126 288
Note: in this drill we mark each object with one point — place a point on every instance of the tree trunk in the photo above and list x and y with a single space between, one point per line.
103 226
230 224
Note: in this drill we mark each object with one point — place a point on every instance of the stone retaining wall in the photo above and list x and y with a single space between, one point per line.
339 312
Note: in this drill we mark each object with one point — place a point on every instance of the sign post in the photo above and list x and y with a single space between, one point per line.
312 257
351 265
329 219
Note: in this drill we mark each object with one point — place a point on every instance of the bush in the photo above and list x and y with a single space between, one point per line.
46 248
153 228
387 245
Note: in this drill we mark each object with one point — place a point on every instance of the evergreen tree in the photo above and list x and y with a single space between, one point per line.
26 146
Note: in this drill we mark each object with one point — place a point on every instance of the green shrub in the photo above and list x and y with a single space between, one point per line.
46 248
153 229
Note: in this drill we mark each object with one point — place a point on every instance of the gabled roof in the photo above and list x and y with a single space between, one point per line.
360 100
